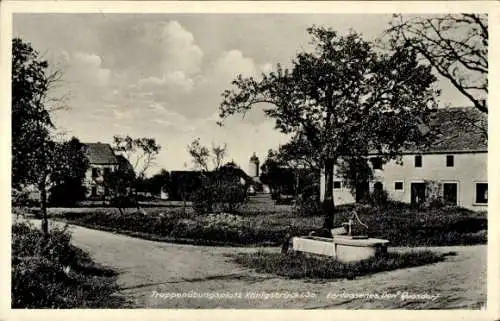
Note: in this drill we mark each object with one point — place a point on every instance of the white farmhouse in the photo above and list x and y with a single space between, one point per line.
455 165
102 161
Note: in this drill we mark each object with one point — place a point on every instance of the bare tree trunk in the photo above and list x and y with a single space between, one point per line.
43 206
104 195
328 205
137 200
183 195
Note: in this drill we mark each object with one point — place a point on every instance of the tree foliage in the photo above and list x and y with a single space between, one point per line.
158 182
31 121
37 158
344 98
276 175
202 156
140 152
220 189
69 166
138 155
455 45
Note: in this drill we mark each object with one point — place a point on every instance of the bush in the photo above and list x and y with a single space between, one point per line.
297 265
22 198
308 205
219 194
379 198
49 272
67 194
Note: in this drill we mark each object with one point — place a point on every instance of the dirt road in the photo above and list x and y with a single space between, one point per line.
152 274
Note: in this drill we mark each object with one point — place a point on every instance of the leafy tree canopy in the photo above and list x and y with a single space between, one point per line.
344 98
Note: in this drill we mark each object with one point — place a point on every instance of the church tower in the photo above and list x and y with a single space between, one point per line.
253 166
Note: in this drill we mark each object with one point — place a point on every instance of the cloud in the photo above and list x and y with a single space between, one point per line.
230 64
181 54
266 68
155 48
176 80
84 69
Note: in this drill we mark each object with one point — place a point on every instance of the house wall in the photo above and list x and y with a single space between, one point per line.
468 169
91 182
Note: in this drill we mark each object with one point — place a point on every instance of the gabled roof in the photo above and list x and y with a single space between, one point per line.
100 154
451 130
124 163
457 129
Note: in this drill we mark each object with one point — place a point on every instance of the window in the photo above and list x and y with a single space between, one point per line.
95 172
450 161
337 184
450 193
481 193
398 186
106 171
94 190
418 161
376 163
378 187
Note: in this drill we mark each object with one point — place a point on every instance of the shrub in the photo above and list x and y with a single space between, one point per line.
308 205
67 194
22 198
203 199
379 197
49 272
220 194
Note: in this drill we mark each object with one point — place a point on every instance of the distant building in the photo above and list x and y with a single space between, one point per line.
453 167
102 161
254 181
253 166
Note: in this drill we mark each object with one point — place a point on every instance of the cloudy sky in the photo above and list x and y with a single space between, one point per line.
162 75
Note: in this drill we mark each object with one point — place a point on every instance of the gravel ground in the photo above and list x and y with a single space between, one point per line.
153 273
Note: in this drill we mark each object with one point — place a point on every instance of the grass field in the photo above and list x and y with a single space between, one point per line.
261 222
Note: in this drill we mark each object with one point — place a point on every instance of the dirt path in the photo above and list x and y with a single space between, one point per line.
151 273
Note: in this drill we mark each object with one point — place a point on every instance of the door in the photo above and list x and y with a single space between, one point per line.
450 193
417 193
362 191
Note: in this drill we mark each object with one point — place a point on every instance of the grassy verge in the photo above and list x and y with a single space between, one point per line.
298 265
222 230
49 272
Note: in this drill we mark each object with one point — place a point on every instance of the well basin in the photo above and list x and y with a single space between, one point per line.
342 248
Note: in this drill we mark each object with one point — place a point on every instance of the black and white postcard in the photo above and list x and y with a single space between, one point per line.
181 157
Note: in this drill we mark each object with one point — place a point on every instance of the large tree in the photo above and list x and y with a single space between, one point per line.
343 97
37 158
455 45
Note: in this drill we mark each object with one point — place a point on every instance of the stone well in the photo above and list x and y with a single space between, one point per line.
341 247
